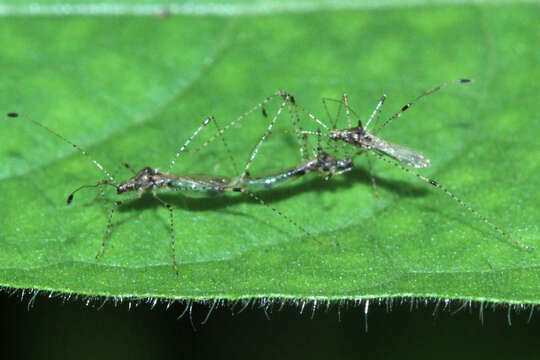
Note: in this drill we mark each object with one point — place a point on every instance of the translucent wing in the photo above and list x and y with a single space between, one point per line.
401 153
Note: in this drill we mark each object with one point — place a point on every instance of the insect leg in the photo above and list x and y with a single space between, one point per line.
189 140
455 198
376 111
329 142
264 136
302 139
238 120
288 219
126 165
173 250
109 228
233 162
372 176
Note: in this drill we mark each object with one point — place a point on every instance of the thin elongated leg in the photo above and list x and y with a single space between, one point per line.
372 176
348 116
108 231
344 104
318 154
288 219
268 131
293 111
189 140
325 101
347 110
342 171
288 100
330 143
319 147
314 118
173 249
257 107
233 162
341 103
415 100
349 124
302 139
102 193
455 198
126 165
376 111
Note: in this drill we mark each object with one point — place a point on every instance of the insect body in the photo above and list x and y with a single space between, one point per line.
359 137
367 142
150 179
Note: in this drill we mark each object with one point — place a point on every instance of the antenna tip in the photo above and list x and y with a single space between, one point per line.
463 81
70 199
12 114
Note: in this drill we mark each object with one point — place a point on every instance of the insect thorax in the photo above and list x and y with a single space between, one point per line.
146 179
356 136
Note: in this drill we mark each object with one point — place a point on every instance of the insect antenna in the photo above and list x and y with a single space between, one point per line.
87 155
415 100
103 182
455 198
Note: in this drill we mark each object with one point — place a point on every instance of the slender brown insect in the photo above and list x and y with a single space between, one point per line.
366 141
151 179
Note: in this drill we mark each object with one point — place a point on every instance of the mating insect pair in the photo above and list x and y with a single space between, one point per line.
358 137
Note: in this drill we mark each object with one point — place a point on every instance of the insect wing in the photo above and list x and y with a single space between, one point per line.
401 153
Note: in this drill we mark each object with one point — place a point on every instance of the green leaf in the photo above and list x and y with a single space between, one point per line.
134 88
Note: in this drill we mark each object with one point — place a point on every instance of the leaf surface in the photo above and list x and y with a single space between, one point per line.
134 88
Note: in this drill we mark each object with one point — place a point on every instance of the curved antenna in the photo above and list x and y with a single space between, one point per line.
111 178
102 182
